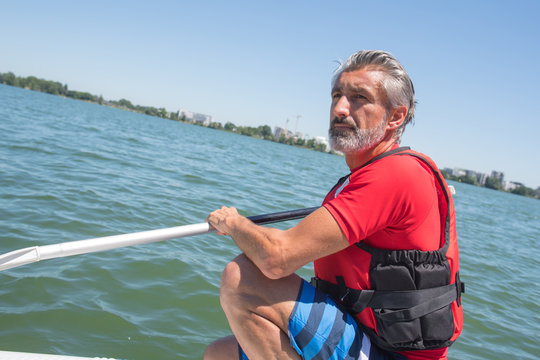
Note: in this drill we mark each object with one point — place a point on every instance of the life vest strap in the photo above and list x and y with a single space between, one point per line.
393 306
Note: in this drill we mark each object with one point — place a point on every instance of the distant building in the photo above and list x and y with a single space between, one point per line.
498 175
202 119
470 173
511 185
481 178
184 114
196 117
457 172
279 132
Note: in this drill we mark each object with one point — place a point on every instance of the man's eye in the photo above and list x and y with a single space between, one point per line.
336 95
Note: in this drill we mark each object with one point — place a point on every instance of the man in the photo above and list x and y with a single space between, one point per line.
389 226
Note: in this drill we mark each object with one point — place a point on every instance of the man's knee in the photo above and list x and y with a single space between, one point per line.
211 352
232 274
234 279
221 349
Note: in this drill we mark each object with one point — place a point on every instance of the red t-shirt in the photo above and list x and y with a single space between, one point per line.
391 203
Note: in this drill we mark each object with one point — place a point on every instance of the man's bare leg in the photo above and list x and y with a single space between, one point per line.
258 311
223 349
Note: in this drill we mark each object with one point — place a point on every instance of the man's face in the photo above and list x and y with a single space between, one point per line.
358 114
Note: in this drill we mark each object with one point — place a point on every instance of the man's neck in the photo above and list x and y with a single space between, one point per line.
356 159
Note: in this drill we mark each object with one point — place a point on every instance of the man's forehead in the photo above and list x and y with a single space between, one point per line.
360 79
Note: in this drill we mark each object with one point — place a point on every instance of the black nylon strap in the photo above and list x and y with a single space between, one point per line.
413 303
409 298
419 310
385 154
363 300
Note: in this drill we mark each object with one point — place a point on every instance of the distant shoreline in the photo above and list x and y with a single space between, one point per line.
493 183
263 132
56 88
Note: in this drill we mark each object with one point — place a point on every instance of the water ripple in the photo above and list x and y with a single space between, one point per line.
73 170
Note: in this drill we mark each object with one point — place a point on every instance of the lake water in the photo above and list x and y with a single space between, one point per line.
71 170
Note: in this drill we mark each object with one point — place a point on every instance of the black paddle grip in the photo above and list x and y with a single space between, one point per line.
281 216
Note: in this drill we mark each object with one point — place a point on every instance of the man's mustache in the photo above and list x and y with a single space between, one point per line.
342 120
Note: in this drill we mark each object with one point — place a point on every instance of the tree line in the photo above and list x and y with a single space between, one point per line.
265 132
492 182
57 88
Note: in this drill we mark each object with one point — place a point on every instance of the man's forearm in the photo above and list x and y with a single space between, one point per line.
262 245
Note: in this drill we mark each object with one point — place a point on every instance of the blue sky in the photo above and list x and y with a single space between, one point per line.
474 64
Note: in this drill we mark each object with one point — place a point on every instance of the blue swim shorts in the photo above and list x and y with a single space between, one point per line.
320 329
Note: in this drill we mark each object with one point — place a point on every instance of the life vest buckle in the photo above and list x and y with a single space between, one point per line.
460 288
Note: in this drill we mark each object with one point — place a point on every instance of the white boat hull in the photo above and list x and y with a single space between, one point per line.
11 355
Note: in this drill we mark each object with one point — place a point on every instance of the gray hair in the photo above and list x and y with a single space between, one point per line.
397 84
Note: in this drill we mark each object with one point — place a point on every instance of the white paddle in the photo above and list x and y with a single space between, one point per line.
37 253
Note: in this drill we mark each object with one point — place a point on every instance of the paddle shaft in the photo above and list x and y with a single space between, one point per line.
37 253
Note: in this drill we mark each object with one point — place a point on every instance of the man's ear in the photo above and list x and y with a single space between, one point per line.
397 118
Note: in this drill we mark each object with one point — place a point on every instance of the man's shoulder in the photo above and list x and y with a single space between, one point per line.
395 178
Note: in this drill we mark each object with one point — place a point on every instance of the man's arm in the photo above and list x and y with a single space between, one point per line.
279 253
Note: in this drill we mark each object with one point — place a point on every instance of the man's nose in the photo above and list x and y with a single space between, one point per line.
341 107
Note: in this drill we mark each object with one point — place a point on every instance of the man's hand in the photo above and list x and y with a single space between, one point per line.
223 219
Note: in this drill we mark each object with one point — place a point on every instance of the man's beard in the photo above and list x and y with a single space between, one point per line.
348 140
